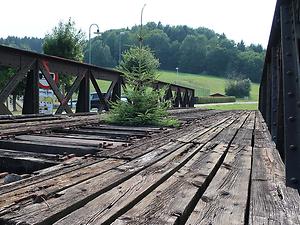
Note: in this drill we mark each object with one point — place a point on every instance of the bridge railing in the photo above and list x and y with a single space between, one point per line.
279 97
29 66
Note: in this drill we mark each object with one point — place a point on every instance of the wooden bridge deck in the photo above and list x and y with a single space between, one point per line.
218 168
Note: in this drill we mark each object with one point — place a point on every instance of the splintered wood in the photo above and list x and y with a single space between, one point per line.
217 168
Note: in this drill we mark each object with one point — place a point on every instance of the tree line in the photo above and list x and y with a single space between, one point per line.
200 50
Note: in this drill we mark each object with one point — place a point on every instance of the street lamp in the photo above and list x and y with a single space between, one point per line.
90 46
177 71
141 35
120 45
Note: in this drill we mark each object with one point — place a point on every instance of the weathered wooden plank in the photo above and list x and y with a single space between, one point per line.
106 132
27 127
197 129
110 205
125 128
271 201
226 137
46 148
23 164
30 119
225 200
49 188
77 196
49 173
170 200
130 193
37 121
132 190
83 136
67 141
12 153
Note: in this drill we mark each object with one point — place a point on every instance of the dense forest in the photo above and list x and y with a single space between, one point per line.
200 51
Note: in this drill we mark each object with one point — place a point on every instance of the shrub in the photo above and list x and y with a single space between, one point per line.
145 106
238 87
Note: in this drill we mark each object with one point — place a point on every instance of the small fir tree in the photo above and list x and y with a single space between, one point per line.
145 106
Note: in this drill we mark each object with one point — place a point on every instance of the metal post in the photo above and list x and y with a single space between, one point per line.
120 45
83 101
274 91
90 45
116 94
31 97
141 34
290 58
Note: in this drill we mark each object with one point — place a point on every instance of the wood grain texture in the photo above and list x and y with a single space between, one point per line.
271 201
170 203
219 167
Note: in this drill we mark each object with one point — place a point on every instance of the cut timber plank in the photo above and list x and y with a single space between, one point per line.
171 199
109 133
24 164
198 130
27 127
66 141
28 146
132 190
159 206
12 153
271 201
225 200
125 128
108 206
77 196
49 188
49 173
82 136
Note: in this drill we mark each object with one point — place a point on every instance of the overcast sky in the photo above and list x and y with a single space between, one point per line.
248 20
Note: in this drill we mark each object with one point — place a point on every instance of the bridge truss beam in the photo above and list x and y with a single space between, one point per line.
279 99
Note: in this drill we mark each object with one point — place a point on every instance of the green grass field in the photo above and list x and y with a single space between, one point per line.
215 84
197 82
232 107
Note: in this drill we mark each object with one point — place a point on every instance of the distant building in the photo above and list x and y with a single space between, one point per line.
217 95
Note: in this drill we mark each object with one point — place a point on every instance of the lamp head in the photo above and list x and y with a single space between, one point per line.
97 32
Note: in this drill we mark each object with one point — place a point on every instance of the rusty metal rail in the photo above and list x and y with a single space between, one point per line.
28 65
279 99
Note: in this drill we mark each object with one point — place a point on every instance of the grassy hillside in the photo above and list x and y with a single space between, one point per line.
197 82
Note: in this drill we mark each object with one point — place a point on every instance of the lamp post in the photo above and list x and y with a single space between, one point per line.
90 45
120 45
141 34
177 73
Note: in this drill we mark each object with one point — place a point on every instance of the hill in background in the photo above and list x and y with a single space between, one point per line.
203 84
198 51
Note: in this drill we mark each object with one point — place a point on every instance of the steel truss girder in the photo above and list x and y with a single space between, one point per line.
291 95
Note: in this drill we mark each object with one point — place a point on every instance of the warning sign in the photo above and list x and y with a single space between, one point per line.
43 83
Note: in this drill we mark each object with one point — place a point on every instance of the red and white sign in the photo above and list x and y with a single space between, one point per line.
43 83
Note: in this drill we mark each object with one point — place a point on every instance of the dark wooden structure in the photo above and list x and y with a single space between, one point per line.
28 65
279 99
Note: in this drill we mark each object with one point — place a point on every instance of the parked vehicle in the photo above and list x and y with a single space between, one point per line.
95 102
